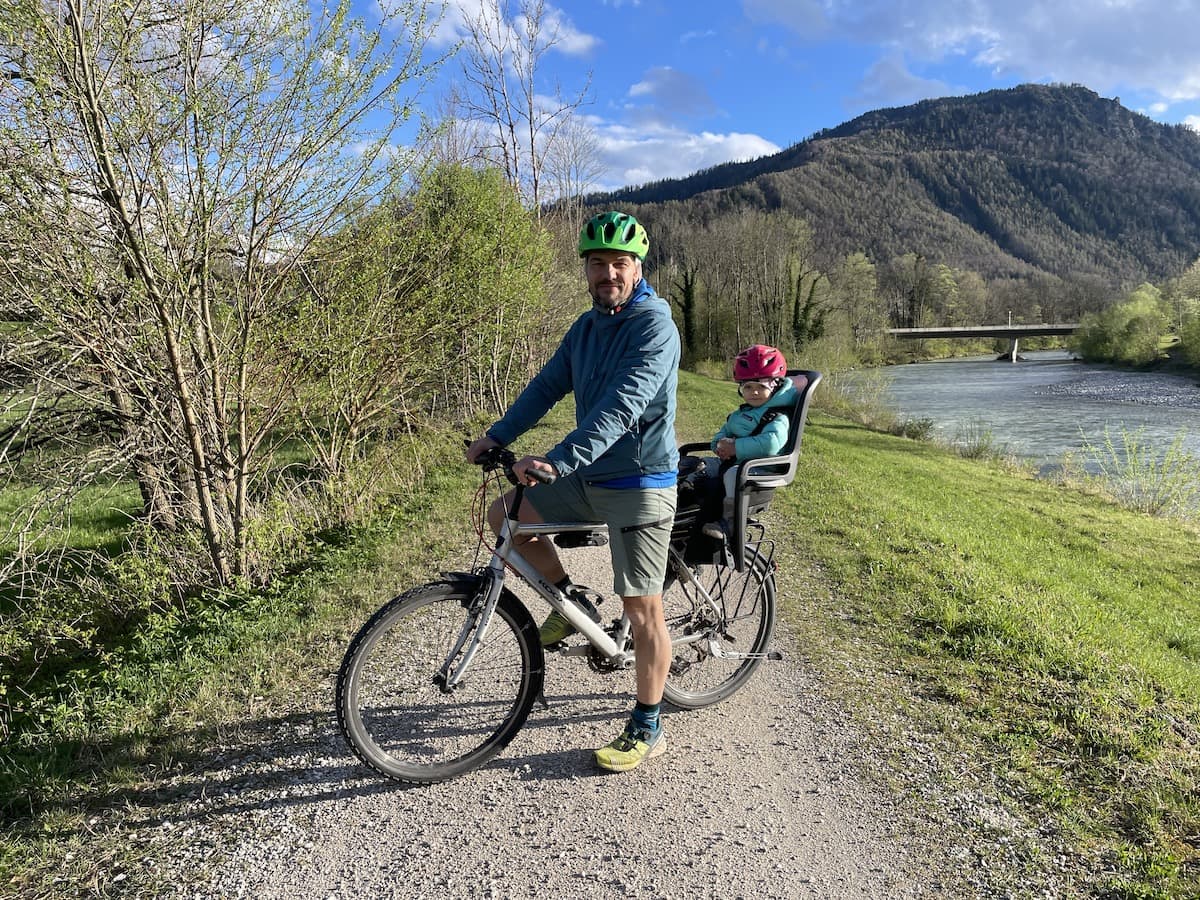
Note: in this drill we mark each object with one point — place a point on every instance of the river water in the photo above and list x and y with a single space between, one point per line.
1047 405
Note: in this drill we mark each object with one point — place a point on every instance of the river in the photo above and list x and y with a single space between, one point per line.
1046 406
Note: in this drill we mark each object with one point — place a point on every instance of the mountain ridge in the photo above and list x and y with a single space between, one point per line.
1008 183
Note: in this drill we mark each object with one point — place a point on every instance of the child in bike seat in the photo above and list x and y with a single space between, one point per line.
758 427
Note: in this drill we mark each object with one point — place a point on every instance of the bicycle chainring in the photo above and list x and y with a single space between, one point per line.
598 661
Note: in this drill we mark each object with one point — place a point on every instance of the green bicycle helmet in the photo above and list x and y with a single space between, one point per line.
614 231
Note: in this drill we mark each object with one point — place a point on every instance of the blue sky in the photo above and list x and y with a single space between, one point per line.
680 85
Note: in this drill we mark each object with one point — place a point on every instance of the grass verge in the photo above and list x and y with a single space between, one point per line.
1055 635
185 678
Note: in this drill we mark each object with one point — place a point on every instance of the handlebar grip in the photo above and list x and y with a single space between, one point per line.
542 477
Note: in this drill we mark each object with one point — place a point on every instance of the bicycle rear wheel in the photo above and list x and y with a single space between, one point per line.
741 621
391 706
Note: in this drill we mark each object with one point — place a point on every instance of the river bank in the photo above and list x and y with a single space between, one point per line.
1046 410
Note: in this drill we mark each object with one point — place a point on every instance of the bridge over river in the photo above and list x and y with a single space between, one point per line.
1013 332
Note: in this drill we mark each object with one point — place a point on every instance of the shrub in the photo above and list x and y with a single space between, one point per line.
975 440
1138 478
1189 338
916 429
1127 333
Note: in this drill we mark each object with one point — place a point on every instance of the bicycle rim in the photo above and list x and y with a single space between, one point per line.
742 623
394 713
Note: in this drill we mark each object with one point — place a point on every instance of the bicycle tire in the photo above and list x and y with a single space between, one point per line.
395 716
746 623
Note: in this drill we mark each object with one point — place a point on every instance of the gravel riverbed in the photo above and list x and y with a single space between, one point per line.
776 792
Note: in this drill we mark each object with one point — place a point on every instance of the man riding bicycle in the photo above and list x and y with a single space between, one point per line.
618 466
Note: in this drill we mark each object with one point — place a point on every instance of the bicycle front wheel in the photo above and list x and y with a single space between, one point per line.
740 619
391 703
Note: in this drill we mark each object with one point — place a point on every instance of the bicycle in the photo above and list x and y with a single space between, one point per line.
441 678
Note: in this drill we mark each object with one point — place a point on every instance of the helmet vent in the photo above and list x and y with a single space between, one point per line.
614 231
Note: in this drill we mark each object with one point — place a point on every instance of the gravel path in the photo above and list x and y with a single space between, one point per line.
749 801
760 796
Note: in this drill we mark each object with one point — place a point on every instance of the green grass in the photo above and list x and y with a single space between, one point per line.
1045 634
100 516
1057 633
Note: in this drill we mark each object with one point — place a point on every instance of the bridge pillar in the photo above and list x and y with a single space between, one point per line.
1011 355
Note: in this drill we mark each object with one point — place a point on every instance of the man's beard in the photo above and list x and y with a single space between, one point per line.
611 302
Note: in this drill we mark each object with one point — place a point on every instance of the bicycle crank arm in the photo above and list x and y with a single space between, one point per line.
721 653
620 661
575 650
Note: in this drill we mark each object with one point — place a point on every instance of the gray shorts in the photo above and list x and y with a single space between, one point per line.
639 526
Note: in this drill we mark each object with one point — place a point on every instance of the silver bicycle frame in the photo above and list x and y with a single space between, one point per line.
475 629
507 553
597 636
479 619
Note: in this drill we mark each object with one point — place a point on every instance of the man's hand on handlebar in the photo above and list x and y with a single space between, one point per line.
479 447
528 470
531 470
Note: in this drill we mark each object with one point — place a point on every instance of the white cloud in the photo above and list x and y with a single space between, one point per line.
570 40
666 95
633 156
1192 122
649 139
1144 45
457 14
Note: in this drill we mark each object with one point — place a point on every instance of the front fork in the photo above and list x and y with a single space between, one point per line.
480 608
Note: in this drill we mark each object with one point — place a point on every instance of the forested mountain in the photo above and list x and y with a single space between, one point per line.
1039 178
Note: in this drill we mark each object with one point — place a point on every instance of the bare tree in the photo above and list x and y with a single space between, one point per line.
573 166
854 292
167 166
450 136
759 271
504 47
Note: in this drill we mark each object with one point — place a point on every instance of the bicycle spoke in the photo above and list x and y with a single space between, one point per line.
395 710
740 617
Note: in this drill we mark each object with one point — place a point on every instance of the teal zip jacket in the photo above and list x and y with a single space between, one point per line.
743 420
624 370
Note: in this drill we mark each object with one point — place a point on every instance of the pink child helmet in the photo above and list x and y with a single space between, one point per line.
759 361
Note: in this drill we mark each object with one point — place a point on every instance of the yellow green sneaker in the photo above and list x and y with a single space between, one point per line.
631 748
556 627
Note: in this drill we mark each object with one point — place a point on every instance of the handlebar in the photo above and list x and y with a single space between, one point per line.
500 458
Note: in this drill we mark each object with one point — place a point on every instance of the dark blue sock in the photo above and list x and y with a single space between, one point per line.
646 715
